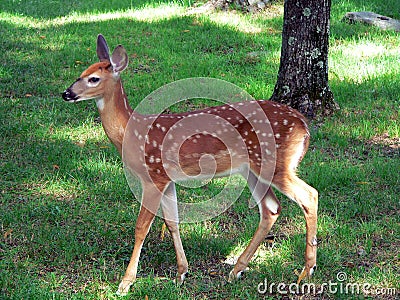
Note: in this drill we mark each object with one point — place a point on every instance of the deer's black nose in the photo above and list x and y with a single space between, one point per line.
68 95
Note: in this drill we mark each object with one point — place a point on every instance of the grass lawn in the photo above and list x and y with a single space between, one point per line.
67 214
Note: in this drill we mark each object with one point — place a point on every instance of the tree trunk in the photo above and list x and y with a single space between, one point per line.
303 73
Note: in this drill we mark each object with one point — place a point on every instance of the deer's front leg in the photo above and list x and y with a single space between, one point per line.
150 204
270 208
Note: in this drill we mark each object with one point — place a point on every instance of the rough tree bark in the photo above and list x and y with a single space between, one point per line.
303 73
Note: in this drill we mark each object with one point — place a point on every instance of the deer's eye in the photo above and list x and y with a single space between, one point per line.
93 79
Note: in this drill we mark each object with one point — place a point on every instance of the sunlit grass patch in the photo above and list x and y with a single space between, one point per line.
363 60
145 14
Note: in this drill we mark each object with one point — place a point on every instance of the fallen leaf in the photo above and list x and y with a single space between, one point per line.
7 233
162 235
80 143
349 264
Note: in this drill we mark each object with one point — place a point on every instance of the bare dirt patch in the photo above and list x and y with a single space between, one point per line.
389 146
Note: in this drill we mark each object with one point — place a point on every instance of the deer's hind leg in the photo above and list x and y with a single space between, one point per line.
307 198
169 207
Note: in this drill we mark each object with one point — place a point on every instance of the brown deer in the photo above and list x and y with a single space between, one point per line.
262 140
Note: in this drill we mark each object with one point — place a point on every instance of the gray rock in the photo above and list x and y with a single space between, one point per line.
374 19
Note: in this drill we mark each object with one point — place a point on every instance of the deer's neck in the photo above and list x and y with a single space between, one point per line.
115 112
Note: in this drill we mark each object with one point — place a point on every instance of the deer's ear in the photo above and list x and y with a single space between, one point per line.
119 59
102 49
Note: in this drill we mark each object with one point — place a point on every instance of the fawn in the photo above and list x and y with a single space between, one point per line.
262 140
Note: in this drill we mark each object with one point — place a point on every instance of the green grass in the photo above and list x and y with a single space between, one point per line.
67 215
